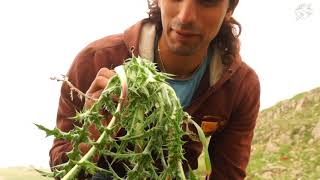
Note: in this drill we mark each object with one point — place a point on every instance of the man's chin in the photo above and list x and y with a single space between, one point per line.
183 50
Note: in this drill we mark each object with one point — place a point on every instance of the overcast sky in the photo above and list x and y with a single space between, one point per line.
40 38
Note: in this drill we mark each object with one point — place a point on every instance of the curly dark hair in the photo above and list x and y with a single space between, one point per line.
227 40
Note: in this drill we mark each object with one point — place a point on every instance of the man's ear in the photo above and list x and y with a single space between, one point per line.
228 15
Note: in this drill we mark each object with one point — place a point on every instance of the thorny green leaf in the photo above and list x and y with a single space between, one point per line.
151 119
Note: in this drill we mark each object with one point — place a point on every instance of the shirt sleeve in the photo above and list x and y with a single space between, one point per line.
70 103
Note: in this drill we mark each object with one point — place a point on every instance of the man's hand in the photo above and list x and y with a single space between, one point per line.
98 85
84 148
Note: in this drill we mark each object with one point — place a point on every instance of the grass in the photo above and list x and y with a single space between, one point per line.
296 157
20 173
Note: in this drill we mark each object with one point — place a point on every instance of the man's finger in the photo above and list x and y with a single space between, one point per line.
98 83
101 80
106 72
93 96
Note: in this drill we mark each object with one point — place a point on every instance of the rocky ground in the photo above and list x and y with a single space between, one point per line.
286 144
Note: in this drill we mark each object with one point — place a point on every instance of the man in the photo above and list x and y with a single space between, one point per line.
196 41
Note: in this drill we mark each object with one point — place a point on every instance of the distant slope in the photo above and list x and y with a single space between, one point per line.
286 144
20 173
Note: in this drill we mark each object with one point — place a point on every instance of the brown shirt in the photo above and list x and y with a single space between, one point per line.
226 103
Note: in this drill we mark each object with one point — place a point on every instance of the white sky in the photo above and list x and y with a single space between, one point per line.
40 38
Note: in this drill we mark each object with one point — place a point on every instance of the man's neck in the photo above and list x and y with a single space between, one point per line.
180 66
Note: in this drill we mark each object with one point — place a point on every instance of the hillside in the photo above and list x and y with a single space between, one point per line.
20 173
286 143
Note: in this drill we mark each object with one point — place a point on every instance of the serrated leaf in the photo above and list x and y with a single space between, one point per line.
203 140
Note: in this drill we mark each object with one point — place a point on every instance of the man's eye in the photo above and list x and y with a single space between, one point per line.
209 2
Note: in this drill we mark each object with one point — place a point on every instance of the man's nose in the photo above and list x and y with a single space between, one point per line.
187 11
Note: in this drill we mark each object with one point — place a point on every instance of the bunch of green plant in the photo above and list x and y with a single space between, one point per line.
152 117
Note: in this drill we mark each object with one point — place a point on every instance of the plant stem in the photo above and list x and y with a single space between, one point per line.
74 171
124 89
138 125
181 171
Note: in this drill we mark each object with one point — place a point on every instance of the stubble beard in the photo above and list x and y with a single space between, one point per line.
180 48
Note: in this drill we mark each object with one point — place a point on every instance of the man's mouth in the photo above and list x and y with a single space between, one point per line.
184 34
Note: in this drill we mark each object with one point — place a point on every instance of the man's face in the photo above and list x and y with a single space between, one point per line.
190 25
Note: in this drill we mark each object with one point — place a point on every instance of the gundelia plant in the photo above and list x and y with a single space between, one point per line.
152 117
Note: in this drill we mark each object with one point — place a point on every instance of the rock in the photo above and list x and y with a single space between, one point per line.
310 141
316 131
284 139
296 137
276 113
269 115
270 147
299 105
303 128
267 175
